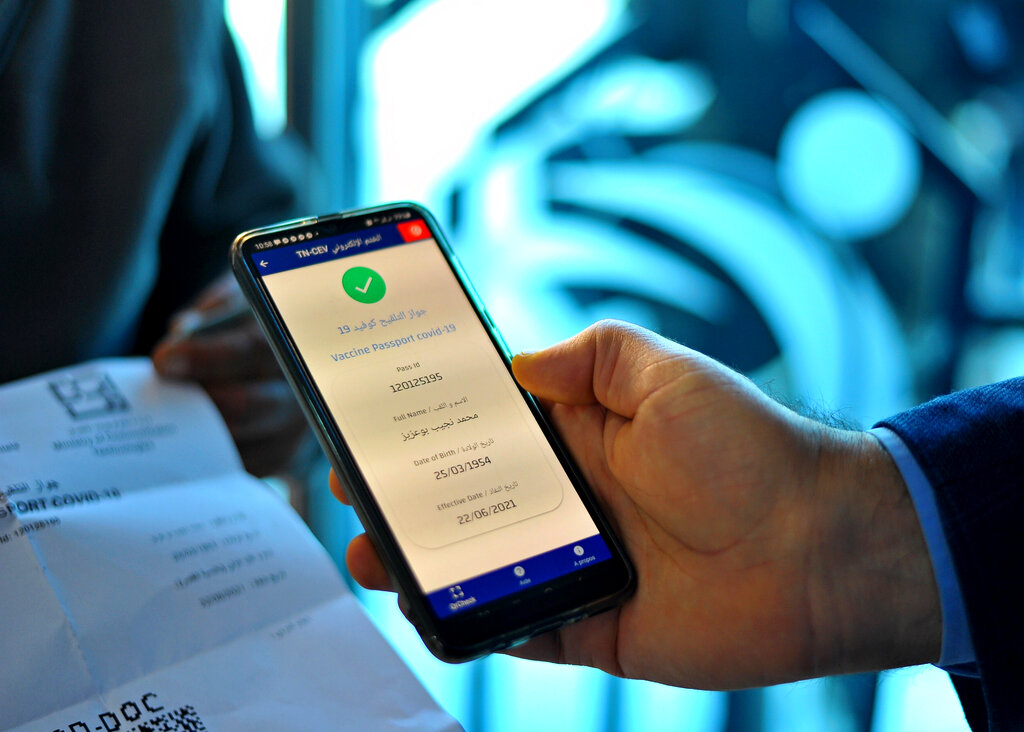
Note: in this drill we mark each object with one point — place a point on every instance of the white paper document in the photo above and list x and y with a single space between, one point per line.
151 585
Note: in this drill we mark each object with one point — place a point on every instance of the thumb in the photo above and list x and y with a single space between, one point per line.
611 363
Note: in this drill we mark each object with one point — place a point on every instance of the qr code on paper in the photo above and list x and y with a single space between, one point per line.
87 395
184 719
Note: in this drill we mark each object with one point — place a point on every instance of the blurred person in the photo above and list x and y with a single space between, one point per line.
128 162
771 548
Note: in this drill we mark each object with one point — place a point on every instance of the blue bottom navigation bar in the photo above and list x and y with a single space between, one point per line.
520 576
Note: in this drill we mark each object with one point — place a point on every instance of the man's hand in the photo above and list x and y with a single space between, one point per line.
236 367
768 547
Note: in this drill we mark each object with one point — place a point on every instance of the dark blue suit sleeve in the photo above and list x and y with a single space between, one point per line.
971 447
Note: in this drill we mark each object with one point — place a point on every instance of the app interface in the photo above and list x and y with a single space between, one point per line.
475 495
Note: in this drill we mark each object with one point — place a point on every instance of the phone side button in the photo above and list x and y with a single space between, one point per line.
494 328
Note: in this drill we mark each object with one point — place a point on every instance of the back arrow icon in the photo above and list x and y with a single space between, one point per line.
263 263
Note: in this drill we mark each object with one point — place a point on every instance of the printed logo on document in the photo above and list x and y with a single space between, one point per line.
89 394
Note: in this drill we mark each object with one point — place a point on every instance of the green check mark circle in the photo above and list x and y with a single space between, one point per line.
363 285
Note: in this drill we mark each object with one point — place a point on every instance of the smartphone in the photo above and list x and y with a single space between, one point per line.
486 528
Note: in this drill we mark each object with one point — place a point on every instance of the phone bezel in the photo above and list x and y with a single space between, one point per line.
494 625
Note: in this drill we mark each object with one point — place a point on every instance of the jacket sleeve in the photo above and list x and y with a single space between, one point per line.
232 180
971 447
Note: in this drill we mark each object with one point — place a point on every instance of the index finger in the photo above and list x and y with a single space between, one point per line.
240 352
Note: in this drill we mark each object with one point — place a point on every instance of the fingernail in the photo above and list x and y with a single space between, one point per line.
173 365
185 322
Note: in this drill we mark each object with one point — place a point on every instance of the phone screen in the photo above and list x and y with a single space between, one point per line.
473 491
